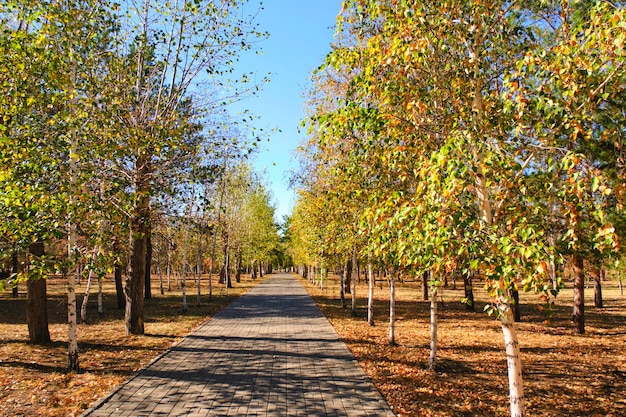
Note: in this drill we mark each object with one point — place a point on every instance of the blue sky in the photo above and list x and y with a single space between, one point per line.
300 35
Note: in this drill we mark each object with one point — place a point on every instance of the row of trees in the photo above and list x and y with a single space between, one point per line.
113 131
475 136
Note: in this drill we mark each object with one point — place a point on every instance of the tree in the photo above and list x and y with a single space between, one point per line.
571 101
169 52
56 45
432 120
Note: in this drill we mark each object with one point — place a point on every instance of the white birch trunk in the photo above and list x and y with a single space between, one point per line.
433 328
83 306
158 244
486 214
392 308
72 328
169 266
370 295
199 267
514 361
183 281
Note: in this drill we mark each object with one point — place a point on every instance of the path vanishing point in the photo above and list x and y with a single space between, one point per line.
270 353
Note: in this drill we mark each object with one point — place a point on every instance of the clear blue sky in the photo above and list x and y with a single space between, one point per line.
301 32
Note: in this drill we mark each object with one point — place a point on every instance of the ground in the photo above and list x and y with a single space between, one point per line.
564 374
33 381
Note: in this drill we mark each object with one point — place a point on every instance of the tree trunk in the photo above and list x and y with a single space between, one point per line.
238 266
100 304
554 276
212 265
597 294
169 266
160 272
134 317
392 308
119 288
425 286
199 267
14 271
342 286
355 269
619 284
579 294
370 295
433 329
514 292
597 289
73 364
183 282
347 280
37 303
224 268
227 280
83 306
37 311
469 292
147 280
514 361
159 244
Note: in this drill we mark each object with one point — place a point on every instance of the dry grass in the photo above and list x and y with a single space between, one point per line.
564 374
33 381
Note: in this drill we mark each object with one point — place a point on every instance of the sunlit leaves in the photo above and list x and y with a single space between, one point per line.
446 111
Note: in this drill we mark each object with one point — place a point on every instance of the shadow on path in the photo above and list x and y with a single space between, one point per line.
270 353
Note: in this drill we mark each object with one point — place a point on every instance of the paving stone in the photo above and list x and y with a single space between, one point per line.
270 353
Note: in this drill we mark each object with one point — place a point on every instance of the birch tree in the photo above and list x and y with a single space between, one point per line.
455 171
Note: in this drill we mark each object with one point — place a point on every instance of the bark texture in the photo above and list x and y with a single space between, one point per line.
119 287
425 286
514 361
134 317
432 363
578 315
37 303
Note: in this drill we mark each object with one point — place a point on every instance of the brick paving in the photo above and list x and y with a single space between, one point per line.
270 353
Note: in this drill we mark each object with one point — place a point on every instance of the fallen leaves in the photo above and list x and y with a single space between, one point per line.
564 374
33 381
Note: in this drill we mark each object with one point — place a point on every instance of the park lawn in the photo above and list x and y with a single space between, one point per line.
33 380
564 374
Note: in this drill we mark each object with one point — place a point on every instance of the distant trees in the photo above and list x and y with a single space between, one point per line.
473 137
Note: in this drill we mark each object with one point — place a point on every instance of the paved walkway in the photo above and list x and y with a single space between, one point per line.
270 353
